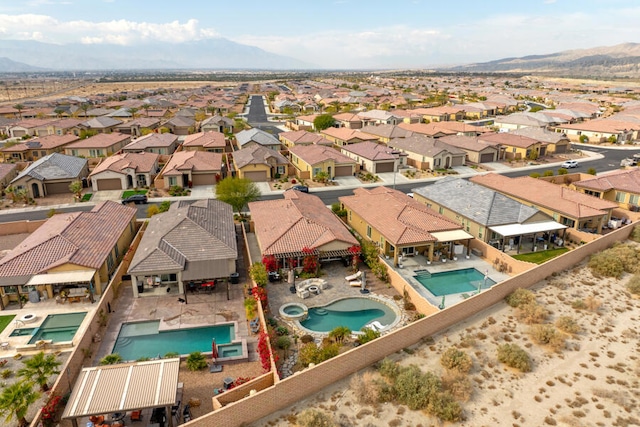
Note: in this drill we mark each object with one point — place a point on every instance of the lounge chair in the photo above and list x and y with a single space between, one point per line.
355 283
377 325
353 276
255 325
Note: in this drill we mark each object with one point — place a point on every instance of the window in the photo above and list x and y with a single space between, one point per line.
368 231
10 290
633 199
43 153
110 261
440 210
568 222
408 251
349 215
592 193
74 153
280 170
316 171
620 196
116 250
173 181
436 162
381 241
480 232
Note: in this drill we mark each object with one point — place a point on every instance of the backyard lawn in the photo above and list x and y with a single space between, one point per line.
5 320
541 256
129 193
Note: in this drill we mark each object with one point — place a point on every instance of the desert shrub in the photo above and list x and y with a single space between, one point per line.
568 324
633 285
111 359
305 339
171 355
6 373
514 356
458 384
531 313
614 261
314 418
547 335
534 175
388 368
196 361
365 389
579 304
283 342
258 273
311 353
547 173
456 360
562 171
380 271
282 330
367 335
592 303
415 388
444 406
635 234
520 297
339 333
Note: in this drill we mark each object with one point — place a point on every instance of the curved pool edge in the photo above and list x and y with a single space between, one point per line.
383 300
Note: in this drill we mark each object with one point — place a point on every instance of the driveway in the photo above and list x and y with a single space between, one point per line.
103 195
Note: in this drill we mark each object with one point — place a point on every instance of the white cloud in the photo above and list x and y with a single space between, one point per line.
123 32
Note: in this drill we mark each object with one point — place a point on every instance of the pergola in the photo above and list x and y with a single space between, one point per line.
535 230
124 387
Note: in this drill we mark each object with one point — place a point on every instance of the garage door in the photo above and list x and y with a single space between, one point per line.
384 167
203 179
110 184
487 157
57 188
561 148
344 170
256 176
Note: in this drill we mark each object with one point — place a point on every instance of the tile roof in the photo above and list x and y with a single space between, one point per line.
385 131
200 231
621 180
153 140
540 134
209 139
370 150
423 145
346 134
545 194
400 219
509 139
469 143
81 238
258 155
48 142
197 161
480 204
304 137
314 154
303 220
101 122
256 135
54 166
6 169
138 162
101 140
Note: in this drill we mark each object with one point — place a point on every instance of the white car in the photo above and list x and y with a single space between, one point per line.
569 164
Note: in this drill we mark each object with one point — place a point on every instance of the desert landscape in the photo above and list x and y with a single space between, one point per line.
581 336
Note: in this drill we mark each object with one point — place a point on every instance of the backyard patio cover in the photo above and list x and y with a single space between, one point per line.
451 236
522 229
125 387
80 276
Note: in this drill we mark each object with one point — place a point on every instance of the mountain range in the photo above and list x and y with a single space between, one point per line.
621 60
218 53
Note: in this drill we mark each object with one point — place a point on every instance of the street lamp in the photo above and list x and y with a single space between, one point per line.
396 155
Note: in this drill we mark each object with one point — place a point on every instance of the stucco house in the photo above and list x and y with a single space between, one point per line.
70 250
51 174
428 153
36 148
254 136
346 136
101 145
476 151
123 171
309 160
212 141
620 186
260 164
373 157
191 243
218 124
302 137
158 143
188 168
102 124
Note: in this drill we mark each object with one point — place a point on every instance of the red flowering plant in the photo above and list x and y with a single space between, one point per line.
50 410
355 255
310 261
264 351
270 263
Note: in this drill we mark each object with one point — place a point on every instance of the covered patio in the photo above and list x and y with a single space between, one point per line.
517 238
109 392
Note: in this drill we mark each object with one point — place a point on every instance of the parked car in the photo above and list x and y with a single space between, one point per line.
136 198
569 164
302 188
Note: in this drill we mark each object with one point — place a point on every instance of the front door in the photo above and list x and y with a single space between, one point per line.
35 189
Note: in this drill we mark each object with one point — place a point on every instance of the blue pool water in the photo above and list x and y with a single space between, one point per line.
58 327
354 313
143 339
454 282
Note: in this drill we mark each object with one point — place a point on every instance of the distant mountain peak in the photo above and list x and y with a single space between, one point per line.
9 66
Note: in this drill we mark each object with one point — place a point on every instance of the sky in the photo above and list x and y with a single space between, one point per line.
387 34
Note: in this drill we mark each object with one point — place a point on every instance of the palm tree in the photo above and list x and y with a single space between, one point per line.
16 399
133 112
146 108
85 107
59 112
39 368
19 107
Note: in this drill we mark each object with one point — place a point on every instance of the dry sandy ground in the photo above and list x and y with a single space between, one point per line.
594 381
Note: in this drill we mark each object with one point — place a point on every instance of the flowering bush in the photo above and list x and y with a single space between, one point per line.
3 362
50 410
263 351
270 263
310 261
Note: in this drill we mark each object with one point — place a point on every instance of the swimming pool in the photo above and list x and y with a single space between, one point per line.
55 327
354 313
453 282
144 339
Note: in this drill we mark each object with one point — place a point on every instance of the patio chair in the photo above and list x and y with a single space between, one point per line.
353 276
136 416
355 283
254 325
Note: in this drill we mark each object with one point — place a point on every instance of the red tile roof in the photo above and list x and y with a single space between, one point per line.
622 180
101 140
205 139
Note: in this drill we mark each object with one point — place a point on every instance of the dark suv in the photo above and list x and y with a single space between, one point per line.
302 188
136 198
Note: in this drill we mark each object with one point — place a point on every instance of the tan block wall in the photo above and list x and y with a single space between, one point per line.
19 227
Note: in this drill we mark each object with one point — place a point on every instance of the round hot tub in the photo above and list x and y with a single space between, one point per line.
294 311
28 318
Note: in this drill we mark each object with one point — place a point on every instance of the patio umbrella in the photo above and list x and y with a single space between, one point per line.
214 356
441 306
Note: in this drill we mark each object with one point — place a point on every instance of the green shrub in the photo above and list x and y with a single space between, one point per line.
456 360
568 324
547 335
388 368
415 388
6 373
591 171
171 355
515 357
250 307
534 175
111 359
196 361
520 297
305 339
314 418
367 335
282 330
635 234
614 261
380 271
633 285
311 353
562 171
283 342
258 273
444 406
339 333
531 313
547 173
